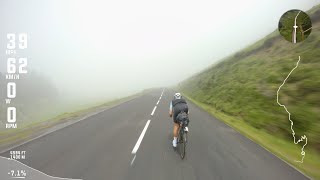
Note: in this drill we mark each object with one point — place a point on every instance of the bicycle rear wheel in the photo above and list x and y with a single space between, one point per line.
182 145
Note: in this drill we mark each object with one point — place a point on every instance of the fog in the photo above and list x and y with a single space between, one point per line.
104 49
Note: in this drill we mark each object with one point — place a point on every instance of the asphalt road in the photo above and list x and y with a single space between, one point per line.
100 147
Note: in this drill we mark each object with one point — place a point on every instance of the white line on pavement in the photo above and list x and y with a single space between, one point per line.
136 147
133 159
154 109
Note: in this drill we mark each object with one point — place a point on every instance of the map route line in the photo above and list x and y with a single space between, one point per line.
295 28
304 137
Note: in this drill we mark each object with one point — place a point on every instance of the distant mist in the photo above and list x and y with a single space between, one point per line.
86 52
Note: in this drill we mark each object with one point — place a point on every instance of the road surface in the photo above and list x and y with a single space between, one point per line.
100 147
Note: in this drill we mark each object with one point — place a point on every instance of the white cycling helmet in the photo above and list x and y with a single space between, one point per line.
177 96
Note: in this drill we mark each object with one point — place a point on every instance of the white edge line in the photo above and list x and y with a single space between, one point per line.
36 169
245 136
133 160
154 109
270 152
51 130
63 125
136 147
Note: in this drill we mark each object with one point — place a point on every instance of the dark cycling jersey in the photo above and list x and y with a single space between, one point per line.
178 105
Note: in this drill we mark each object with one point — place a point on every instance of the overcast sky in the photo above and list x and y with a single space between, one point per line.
104 48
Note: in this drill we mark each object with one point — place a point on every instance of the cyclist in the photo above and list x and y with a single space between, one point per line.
177 105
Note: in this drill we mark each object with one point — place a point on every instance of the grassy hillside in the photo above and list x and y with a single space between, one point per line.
244 86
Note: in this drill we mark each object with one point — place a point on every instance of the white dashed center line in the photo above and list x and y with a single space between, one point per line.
133 160
154 109
136 147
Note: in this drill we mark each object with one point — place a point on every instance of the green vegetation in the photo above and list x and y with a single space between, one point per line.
286 24
241 91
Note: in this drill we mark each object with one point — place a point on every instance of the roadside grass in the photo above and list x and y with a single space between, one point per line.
242 90
27 130
285 150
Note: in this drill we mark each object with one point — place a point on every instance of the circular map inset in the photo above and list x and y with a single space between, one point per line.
295 25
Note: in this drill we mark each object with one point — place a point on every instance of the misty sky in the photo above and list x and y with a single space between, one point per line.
105 48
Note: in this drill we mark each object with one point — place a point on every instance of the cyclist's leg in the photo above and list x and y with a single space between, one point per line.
175 134
175 131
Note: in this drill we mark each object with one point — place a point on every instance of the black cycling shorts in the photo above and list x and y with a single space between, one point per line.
177 110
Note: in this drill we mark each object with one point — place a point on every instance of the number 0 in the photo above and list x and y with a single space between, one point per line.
11 114
11 90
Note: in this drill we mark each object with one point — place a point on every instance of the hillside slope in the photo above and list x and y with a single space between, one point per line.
245 85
